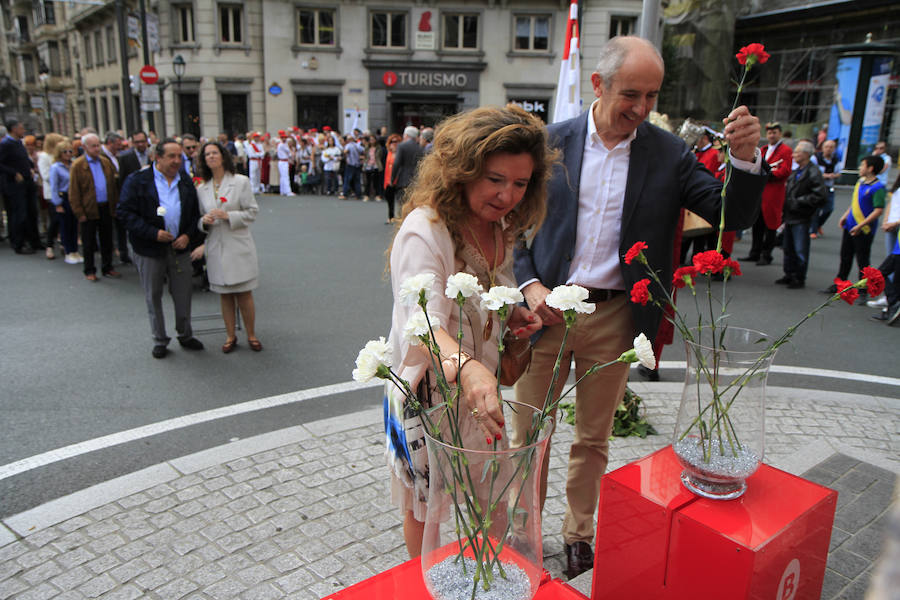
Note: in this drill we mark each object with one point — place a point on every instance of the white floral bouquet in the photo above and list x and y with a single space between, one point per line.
375 360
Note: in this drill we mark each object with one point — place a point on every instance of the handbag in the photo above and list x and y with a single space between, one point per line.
515 360
695 225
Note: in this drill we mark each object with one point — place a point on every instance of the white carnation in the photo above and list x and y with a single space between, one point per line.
412 286
462 283
570 297
417 326
373 355
644 350
499 296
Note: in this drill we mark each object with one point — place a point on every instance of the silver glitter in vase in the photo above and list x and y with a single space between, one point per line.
447 581
722 476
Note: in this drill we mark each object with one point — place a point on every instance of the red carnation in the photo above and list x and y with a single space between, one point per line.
197 180
639 293
709 262
874 281
752 54
734 265
848 293
684 276
223 199
634 252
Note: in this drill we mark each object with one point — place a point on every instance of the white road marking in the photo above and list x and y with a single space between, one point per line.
122 437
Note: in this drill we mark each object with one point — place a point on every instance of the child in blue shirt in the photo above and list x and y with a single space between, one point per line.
860 221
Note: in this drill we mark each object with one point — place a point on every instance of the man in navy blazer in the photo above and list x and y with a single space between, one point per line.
622 180
159 208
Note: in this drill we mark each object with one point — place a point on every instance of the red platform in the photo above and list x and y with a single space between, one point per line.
405 581
656 540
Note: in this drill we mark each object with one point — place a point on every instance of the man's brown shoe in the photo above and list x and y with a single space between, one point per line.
91 277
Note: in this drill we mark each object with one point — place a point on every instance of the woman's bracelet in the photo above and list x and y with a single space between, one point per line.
458 360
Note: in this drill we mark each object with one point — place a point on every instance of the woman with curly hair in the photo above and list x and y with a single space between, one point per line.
481 189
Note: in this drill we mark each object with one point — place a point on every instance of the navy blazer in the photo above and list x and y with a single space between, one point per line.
663 177
138 202
14 159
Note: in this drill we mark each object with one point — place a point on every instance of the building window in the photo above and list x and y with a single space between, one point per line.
460 32
532 33
387 30
98 47
66 59
189 113
117 113
317 110
104 109
234 114
55 63
619 25
49 14
88 54
231 17
183 23
28 67
315 27
110 44
96 119
22 28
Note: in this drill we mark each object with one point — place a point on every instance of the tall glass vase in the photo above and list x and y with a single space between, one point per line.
720 432
483 525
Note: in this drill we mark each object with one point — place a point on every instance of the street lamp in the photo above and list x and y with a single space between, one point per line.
178 66
44 77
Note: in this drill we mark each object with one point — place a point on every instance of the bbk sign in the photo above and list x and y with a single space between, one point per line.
535 107
422 79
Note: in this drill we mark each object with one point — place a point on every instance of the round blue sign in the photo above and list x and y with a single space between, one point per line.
275 89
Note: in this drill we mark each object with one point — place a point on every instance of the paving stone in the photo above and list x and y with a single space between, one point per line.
75 557
128 592
41 572
838 463
183 565
176 589
206 575
867 543
154 579
72 578
286 562
838 537
255 575
847 563
103 564
97 586
265 591
43 591
130 570
227 588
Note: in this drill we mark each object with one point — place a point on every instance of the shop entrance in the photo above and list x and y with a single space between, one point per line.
420 114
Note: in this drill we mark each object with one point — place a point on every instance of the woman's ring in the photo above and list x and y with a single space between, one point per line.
475 412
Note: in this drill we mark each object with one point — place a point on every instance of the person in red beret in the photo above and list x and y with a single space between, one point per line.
283 154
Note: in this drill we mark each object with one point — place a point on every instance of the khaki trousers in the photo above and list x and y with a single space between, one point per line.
596 338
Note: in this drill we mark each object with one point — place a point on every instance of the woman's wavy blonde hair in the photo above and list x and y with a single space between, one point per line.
462 145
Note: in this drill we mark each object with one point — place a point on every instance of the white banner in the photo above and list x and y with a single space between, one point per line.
57 102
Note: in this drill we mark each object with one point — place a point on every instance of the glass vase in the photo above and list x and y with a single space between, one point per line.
720 431
482 537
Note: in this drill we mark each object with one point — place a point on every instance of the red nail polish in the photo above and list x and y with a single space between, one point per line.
502 423
498 436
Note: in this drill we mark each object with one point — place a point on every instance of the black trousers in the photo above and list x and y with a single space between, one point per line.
858 246
763 240
891 265
389 198
89 233
121 240
21 211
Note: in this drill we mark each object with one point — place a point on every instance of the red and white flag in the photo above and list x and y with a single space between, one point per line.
568 91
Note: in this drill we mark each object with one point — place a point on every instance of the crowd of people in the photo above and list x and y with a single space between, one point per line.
798 200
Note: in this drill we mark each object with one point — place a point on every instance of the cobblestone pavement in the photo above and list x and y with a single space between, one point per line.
305 512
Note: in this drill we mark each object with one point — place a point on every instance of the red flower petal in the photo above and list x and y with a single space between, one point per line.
639 292
682 275
634 251
874 281
754 53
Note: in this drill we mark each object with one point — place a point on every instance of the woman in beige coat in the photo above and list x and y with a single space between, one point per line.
228 208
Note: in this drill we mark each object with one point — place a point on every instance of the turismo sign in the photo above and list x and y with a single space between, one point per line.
422 79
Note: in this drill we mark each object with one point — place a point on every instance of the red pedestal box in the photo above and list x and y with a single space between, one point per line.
656 540
405 582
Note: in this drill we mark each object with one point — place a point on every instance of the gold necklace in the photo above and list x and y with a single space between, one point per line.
492 272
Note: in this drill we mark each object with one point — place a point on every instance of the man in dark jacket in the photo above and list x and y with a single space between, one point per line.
17 184
160 210
804 195
406 159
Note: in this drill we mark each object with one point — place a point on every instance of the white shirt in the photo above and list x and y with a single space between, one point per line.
111 157
601 197
883 176
283 151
